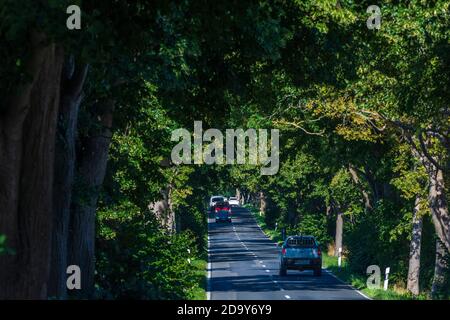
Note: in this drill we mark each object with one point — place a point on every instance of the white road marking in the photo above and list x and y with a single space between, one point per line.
287 297
267 270
362 294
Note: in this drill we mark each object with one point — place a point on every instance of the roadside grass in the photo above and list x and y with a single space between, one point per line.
200 265
359 281
344 273
199 292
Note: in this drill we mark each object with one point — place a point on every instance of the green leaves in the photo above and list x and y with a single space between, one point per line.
3 246
345 193
138 260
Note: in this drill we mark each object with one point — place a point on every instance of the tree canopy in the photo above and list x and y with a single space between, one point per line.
87 115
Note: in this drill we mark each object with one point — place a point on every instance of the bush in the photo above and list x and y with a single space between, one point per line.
193 220
313 224
136 260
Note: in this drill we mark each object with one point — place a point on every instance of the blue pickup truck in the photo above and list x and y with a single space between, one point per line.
300 253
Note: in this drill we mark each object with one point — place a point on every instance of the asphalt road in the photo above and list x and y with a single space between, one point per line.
243 265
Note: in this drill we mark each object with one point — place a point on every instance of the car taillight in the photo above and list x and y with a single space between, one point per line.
283 251
217 209
319 252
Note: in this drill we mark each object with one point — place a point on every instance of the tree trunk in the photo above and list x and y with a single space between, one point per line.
164 211
27 136
414 250
339 232
72 82
328 211
436 191
262 203
364 193
439 206
160 209
174 223
243 197
239 196
91 172
439 270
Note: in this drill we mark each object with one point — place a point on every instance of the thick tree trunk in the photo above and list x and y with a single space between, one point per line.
27 136
436 191
72 82
439 270
160 209
91 172
414 250
339 232
164 212
439 206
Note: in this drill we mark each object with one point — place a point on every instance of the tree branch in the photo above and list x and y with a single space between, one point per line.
426 153
298 126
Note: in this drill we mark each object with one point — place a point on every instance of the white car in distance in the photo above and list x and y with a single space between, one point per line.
214 199
233 201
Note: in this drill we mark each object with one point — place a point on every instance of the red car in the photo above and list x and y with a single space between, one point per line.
222 211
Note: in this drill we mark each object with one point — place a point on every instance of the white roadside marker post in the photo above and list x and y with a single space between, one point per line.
340 258
386 278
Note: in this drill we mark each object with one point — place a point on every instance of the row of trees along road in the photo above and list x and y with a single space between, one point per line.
86 117
365 144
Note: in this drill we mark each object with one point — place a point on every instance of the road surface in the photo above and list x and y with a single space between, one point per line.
243 265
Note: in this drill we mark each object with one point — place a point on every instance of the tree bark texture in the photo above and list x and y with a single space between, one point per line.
439 269
91 172
27 139
414 250
339 232
72 81
262 203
